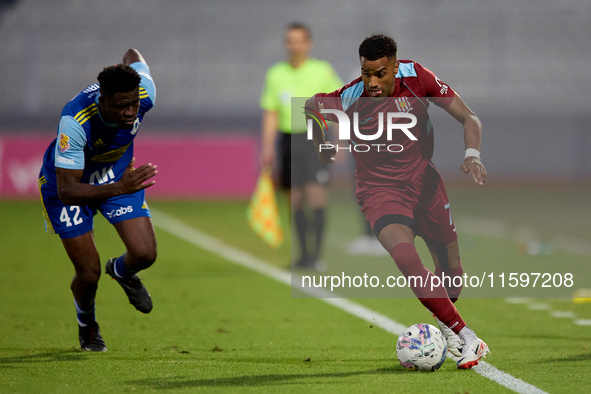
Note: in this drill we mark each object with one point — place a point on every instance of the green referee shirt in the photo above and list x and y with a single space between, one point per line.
284 82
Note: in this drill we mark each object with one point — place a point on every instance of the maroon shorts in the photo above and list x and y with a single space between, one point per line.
421 205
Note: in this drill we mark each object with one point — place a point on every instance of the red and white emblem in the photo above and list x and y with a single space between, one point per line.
403 104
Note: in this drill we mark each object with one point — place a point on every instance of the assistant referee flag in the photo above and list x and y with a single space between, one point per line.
263 213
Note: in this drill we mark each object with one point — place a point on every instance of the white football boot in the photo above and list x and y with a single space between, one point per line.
474 349
454 344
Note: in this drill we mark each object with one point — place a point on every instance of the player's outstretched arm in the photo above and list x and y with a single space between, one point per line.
326 151
132 56
72 192
472 139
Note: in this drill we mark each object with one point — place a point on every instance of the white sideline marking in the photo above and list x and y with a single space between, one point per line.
541 306
583 322
563 314
519 300
522 234
215 246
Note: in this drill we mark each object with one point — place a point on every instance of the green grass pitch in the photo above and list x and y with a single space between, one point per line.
217 326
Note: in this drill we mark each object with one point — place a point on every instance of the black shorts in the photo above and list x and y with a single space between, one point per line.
298 162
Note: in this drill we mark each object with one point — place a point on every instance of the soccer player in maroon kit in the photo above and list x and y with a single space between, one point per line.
398 188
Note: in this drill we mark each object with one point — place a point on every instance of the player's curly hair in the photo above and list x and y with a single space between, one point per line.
118 79
377 46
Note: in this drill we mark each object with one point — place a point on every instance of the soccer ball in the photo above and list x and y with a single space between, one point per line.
421 347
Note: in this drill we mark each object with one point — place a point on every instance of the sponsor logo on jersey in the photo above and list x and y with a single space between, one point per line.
63 160
103 176
403 104
444 87
91 88
98 143
110 156
120 212
64 144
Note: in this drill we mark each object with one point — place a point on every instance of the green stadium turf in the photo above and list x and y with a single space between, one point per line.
217 326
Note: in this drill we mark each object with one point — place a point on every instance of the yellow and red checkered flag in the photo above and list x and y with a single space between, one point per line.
263 213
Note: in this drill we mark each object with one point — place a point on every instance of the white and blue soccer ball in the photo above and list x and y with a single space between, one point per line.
421 347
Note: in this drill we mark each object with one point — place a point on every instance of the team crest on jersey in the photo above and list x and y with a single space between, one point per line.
64 143
403 104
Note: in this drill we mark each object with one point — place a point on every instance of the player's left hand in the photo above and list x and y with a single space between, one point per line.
473 166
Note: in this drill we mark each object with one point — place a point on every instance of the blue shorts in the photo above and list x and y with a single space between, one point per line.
70 221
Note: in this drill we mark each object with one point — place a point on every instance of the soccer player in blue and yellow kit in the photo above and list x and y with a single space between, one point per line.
90 167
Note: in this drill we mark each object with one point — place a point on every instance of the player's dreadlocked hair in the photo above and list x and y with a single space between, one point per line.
377 46
118 79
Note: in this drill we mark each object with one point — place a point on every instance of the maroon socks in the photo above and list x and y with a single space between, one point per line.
431 293
452 291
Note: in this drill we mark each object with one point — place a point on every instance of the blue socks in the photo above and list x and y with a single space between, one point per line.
85 317
121 270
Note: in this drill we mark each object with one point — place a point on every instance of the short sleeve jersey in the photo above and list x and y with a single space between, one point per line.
86 142
284 82
415 87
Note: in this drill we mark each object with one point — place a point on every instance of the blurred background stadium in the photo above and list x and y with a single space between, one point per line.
209 58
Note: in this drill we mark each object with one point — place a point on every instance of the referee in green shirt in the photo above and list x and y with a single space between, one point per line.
299 76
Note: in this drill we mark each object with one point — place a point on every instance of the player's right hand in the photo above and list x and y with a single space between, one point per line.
327 155
135 179
474 167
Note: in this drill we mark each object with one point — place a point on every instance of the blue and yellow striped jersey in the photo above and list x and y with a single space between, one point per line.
86 142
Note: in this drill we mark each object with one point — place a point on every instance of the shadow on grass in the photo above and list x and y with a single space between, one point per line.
50 356
574 357
254 380
288 360
553 337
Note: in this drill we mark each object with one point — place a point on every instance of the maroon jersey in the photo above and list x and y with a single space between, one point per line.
398 160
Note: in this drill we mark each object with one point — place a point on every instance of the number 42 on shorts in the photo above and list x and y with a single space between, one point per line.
65 218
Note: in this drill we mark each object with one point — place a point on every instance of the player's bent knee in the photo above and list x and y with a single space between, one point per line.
88 275
145 258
